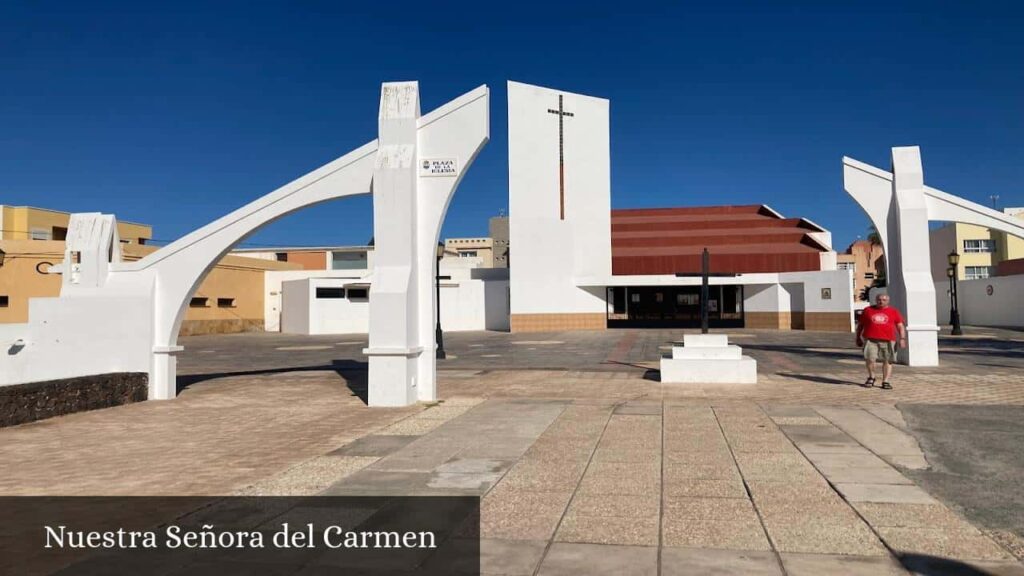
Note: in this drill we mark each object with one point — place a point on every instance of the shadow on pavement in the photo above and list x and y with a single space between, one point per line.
818 379
352 371
936 566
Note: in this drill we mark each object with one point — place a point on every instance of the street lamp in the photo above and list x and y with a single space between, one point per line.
438 335
954 308
3 255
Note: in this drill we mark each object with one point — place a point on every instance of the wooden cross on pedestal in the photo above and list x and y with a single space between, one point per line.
561 156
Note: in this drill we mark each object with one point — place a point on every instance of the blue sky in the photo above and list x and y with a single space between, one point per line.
175 115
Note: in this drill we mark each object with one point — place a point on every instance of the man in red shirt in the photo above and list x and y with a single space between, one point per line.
876 332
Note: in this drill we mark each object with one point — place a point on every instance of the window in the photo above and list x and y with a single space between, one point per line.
5 301
467 254
59 233
348 260
979 246
198 302
358 293
281 256
225 302
976 272
329 293
848 266
39 234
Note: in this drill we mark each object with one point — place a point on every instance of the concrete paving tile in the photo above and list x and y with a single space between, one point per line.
913 516
625 505
893 493
638 409
861 459
309 477
609 484
697 488
938 542
637 531
890 414
715 471
835 533
462 465
638 471
423 459
381 482
857 475
375 445
775 466
818 564
876 434
510 557
549 476
717 457
909 461
572 559
814 420
412 427
477 483
521 515
711 562
624 455
789 410
729 523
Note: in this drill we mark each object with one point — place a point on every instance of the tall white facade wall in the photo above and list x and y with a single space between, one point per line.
547 252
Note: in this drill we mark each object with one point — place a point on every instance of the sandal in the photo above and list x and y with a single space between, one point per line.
886 386
868 383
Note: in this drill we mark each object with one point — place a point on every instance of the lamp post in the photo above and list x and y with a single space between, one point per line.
438 335
954 308
3 256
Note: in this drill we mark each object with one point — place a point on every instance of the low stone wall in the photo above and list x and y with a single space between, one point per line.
557 322
233 326
22 403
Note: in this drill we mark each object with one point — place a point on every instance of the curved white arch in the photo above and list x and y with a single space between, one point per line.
900 206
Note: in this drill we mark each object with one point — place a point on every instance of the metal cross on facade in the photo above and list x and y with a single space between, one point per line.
561 156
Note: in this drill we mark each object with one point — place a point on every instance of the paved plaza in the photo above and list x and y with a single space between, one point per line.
585 463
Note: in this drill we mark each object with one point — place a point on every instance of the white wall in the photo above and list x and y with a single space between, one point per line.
1002 308
272 280
468 303
546 252
67 339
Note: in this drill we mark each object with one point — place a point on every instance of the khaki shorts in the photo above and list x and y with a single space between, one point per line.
884 350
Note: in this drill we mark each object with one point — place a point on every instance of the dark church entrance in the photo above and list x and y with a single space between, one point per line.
673 307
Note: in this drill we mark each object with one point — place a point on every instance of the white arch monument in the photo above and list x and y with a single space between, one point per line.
115 316
900 206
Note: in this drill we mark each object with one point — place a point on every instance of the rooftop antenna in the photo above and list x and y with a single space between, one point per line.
995 199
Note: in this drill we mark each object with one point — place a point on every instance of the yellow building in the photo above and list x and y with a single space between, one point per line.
981 249
29 223
230 299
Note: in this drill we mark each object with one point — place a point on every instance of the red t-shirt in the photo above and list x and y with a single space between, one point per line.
880 323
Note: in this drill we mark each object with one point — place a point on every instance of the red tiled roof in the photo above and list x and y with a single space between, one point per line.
741 239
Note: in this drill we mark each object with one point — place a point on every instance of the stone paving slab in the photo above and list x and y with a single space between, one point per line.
820 564
569 559
892 493
710 562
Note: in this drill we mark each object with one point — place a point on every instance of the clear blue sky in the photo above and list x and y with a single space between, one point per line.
175 115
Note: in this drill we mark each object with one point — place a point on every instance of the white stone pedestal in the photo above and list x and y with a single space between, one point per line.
707 359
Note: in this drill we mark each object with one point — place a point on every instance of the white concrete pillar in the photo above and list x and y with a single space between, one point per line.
910 285
394 347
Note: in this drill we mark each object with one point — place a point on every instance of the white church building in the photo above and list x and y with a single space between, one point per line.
576 264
